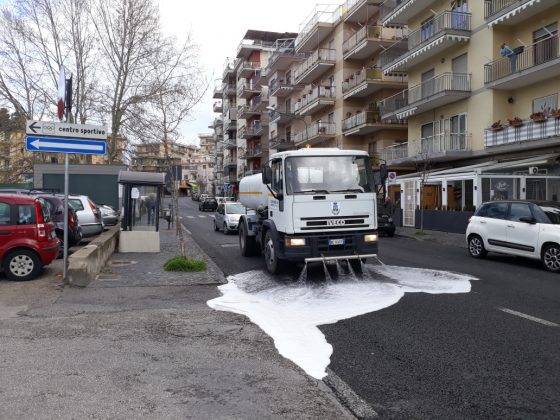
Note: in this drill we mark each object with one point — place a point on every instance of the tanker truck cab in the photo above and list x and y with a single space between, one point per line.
310 205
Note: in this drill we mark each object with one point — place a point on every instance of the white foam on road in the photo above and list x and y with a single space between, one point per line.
291 312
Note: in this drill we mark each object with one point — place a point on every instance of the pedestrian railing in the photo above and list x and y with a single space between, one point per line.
522 58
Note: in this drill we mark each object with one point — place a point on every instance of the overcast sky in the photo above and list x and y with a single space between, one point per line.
217 26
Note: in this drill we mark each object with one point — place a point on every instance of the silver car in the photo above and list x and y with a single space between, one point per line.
109 214
89 215
226 217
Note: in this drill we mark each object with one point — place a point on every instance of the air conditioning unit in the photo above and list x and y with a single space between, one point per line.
533 170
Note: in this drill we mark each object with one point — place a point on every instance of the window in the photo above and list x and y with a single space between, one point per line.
26 214
277 176
494 210
76 204
518 211
552 213
545 104
5 216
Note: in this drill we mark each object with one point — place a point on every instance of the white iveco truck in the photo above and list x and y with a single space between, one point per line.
310 205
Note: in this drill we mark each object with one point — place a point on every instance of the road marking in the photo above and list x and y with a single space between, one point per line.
190 217
201 216
529 317
228 245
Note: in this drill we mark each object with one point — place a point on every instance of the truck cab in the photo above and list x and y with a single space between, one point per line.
310 205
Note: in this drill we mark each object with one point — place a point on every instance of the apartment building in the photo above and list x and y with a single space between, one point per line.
325 83
481 102
158 157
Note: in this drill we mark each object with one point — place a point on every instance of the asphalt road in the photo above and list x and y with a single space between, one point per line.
488 353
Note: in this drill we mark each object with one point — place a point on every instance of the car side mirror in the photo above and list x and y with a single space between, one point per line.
266 174
530 220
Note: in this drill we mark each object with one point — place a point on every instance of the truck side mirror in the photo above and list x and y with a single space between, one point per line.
266 174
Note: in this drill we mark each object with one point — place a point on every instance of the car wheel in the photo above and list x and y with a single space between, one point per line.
551 258
216 228
476 247
22 265
273 263
247 243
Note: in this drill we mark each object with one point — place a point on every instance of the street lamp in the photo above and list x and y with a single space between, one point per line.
272 108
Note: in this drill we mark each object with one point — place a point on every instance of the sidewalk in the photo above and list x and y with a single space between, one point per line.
442 238
140 342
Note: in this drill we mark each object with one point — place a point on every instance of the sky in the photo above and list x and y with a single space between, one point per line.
217 26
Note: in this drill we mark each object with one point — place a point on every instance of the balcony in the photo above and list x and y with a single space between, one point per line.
316 133
527 135
250 132
367 122
230 143
395 152
247 46
525 67
230 163
280 143
434 37
253 152
314 100
247 90
370 80
218 92
248 68
512 12
229 89
229 69
438 91
284 55
315 66
358 11
281 118
281 88
258 103
317 27
445 145
218 122
230 125
245 112
369 40
218 107
399 12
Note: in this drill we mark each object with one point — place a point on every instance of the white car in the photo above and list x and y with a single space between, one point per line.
227 216
523 228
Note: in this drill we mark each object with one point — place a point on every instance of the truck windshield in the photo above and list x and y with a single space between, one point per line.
328 174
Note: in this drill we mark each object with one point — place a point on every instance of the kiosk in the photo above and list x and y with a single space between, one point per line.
142 196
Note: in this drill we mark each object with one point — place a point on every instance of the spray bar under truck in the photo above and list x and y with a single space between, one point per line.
312 204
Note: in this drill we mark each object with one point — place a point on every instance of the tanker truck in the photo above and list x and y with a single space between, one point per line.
310 205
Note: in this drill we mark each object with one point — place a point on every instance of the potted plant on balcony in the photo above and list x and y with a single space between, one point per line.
515 122
497 126
538 116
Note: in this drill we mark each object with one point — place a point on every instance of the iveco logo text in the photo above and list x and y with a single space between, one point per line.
335 208
335 222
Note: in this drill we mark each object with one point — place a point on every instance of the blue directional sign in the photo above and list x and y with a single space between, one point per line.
65 145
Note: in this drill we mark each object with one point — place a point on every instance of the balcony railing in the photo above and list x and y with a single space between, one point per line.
492 7
528 131
397 151
373 32
277 142
325 55
364 117
430 30
247 87
324 13
284 48
424 91
315 130
317 93
255 129
370 75
445 142
522 59
252 152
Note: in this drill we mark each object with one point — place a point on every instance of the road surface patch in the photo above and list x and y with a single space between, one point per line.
290 312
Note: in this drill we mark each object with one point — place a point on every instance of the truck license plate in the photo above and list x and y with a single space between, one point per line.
336 241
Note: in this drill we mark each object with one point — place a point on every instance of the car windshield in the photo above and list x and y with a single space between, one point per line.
328 174
553 214
76 204
235 208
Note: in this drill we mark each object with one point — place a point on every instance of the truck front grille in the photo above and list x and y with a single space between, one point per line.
335 222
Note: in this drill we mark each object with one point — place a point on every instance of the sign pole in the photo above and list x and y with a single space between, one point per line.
65 245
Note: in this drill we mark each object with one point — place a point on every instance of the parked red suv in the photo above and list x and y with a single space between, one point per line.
27 237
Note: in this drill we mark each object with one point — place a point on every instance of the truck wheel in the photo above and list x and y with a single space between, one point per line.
273 263
246 243
22 265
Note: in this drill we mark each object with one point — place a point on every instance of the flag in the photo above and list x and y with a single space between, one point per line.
61 93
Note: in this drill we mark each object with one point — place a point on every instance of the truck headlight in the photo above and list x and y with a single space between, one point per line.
372 237
295 241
